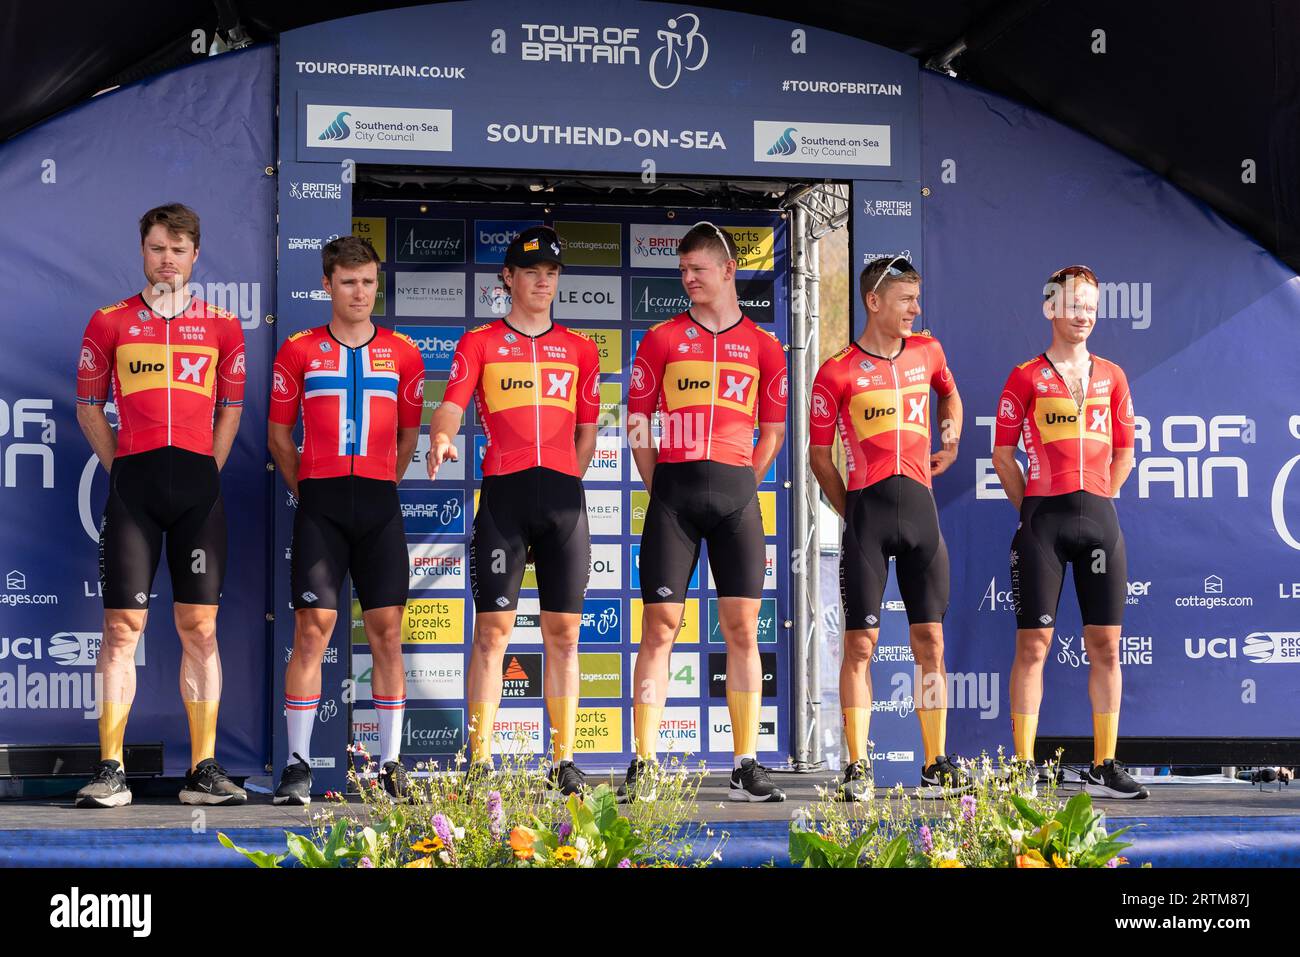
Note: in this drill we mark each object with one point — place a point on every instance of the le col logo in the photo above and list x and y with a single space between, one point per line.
682 47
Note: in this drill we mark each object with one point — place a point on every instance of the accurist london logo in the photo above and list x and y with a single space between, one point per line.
784 145
338 129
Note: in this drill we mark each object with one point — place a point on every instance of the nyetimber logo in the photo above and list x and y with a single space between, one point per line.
78 910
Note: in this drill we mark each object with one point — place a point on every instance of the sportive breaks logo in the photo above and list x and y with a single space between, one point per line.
338 128
784 145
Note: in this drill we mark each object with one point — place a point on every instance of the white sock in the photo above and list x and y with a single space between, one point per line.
390 711
300 712
742 757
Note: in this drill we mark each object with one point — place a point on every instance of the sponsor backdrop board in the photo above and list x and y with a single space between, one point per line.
626 279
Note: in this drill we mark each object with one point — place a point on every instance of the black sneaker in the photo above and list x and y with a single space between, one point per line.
566 778
639 785
858 781
396 782
943 777
750 782
295 784
1110 780
208 784
106 789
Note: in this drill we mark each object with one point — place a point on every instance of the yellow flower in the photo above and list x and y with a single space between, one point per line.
421 862
430 845
566 854
951 863
1059 861
1032 859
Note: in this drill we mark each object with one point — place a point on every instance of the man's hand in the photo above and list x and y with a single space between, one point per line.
939 461
441 449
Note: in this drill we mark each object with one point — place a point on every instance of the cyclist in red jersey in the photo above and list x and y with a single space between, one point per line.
537 386
708 373
1074 413
175 365
361 391
877 394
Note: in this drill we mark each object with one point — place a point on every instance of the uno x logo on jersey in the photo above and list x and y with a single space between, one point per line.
353 400
1069 446
532 393
881 408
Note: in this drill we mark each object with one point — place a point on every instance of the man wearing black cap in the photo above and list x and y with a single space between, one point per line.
537 386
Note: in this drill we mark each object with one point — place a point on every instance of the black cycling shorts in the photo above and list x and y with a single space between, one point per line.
893 517
348 524
167 491
1080 528
699 501
538 509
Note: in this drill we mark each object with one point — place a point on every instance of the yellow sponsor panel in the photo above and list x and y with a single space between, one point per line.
530 572
609 342
640 505
689 634
767 505
381 299
142 366
375 230
611 405
1057 419
691 383
879 410
600 731
754 246
434 621
512 385
434 390
358 624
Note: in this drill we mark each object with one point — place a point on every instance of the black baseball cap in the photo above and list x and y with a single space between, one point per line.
536 244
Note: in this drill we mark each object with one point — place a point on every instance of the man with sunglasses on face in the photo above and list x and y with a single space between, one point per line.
537 386
1074 413
709 373
876 393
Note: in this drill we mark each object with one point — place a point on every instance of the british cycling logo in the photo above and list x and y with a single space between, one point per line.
338 129
785 144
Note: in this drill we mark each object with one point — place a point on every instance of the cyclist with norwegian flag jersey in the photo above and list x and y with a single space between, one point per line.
175 367
876 394
1074 413
361 391
537 387
710 374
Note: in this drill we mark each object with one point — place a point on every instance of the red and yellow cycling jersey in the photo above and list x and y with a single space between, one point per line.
881 407
708 388
166 375
532 393
1069 445
353 399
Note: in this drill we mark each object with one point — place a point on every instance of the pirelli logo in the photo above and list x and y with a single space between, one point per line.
143 366
511 385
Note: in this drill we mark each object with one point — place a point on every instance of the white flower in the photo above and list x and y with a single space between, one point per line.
585 861
443 856
459 833
603 852
1017 836
581 845
950 855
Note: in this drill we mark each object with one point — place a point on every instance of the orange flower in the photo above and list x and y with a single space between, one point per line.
422 862
1032 859
521 841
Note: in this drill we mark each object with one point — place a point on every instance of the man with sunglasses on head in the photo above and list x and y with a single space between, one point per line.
537 386
876 393
1074 413
709 373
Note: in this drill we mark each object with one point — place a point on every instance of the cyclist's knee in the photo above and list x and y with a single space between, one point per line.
859 646
1032 645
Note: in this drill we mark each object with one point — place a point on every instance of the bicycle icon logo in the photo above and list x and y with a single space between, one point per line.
1067 655
328 710
608 620
666 64
450 512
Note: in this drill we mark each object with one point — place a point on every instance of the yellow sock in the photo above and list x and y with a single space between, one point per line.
563 712
744 707
112 730
481 716
857 726
645 725
934 732
1024 728
203 730
1105 732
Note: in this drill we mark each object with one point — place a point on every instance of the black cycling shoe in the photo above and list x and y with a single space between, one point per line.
208 784
943 777
566 778
858 781
107 788
750 782
1110 780
639 784
397 784
295 784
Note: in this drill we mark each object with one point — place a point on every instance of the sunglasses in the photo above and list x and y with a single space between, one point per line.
892 271
721 236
